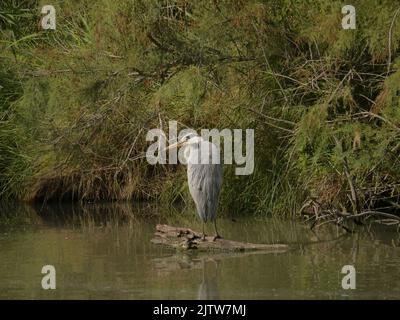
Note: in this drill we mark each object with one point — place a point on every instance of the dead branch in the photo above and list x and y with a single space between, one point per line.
186 239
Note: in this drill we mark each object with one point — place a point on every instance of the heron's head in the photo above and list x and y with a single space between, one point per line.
187 140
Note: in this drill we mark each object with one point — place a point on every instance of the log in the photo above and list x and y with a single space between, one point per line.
187 239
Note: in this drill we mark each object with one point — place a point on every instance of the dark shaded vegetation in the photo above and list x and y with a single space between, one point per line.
77 102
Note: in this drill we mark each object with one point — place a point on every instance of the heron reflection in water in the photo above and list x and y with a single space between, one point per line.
208 289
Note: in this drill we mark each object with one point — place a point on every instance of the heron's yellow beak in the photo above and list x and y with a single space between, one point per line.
175 145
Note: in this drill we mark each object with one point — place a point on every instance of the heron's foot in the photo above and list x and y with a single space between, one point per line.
217 236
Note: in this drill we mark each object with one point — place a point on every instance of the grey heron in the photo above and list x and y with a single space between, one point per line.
204 174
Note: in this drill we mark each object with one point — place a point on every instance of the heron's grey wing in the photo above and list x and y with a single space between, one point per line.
214 186
195 180
205 182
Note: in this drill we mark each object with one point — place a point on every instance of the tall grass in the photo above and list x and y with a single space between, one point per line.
80 99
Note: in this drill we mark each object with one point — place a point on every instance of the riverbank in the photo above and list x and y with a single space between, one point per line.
76 102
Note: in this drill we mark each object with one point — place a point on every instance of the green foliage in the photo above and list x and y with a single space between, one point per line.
76 102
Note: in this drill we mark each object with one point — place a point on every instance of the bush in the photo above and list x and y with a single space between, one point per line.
323 101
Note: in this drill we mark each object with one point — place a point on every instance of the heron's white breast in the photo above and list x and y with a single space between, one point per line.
203 152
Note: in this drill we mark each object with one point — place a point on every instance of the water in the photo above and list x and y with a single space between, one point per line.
104 252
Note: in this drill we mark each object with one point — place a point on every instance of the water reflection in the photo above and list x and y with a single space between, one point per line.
204 264
103 251
208 289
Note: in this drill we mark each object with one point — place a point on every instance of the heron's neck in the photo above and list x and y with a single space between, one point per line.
189 150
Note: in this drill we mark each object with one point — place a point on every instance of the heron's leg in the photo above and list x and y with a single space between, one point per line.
217 236
204 235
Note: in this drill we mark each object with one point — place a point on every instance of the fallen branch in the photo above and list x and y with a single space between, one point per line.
320 216
187 239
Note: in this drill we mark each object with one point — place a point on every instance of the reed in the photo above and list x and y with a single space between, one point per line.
77 102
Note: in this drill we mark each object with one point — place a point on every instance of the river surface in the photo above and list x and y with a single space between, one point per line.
103 251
